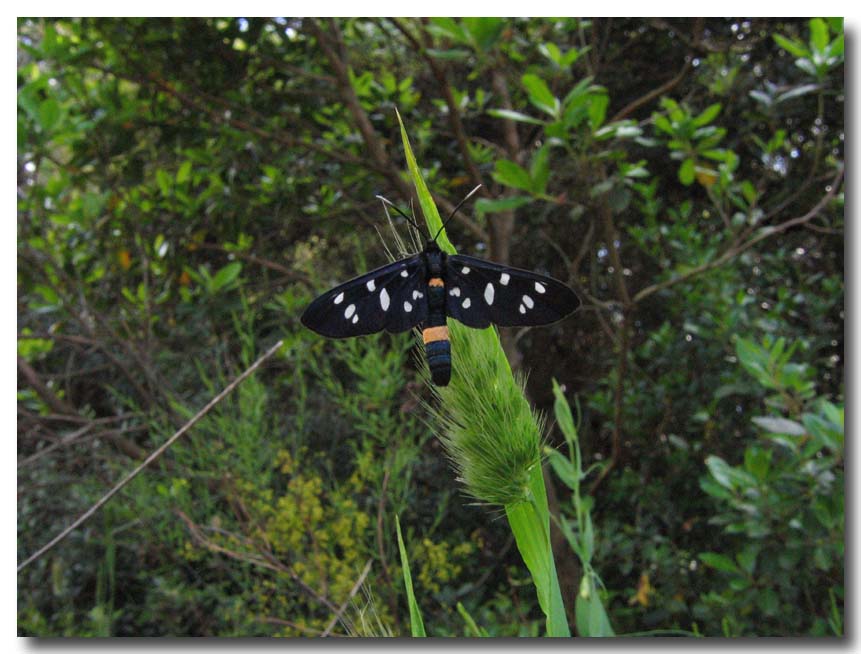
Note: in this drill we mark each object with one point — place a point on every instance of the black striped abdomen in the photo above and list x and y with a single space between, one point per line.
438 352
435 334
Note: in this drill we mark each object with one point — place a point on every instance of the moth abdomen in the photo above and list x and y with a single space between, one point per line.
438 353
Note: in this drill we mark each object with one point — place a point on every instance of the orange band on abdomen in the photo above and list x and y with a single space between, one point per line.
435 281
432 334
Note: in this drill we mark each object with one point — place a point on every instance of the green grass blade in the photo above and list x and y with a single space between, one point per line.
429 210
417 625
491 434
592 620
473 630
530 524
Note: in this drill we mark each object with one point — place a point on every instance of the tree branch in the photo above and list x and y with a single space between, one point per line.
654 93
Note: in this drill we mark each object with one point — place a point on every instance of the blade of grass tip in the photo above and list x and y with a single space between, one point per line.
472 628
429 209
417 625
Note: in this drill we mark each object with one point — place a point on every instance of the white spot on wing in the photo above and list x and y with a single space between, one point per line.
355 318
522 309
348 313
339 298
466 303
528 301
371 285
464 270
503 279
417 295
488 293
408 307
455 292
405 273
384 300
540 287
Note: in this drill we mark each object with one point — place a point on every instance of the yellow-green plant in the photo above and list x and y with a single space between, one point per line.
492 436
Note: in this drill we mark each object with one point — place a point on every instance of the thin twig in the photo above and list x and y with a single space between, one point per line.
654 93
343 607
152 457
733 252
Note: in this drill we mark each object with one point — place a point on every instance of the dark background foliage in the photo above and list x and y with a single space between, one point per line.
186 186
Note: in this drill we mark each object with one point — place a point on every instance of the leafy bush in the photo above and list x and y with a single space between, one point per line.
781 509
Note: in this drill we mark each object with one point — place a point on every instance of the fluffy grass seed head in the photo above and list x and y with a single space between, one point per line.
487 426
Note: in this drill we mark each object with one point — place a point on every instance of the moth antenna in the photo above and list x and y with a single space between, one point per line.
454 211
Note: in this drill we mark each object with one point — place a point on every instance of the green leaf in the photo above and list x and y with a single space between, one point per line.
719 562
827 433
662 123
715 490
225 276
92 204
708 115
818 34
540 94
623 129
485 32
551 51
570 57
562 411
449 54
539 169
730 389
49 114
514 115
48 294
484 205
563 468
592 620
447 27
833 414
768 602
775 425
687 172
807 66
797 91
598 110
793 47
417 625
184 172
510 174
164 181
835 48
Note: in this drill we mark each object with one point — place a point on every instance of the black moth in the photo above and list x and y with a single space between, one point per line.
431 286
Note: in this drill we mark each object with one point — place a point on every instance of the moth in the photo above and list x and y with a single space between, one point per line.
432 286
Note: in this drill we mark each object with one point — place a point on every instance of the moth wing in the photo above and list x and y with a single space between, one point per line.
390 298
480 292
